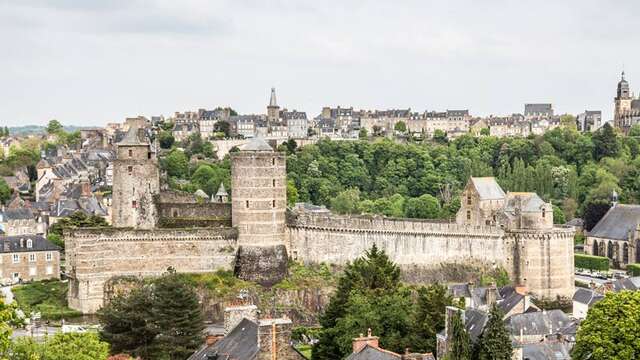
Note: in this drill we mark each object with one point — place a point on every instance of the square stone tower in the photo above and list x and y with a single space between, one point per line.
136 179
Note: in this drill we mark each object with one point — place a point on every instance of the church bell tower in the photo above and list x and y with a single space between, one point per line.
622 102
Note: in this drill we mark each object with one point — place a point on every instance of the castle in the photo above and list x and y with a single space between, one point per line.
255 234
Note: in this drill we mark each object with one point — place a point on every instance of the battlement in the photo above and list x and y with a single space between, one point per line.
130 234
363 223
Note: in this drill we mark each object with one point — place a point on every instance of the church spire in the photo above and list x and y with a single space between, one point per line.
272 101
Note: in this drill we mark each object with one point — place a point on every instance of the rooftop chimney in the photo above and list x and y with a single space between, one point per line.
491 296
274 339
236 311
361 342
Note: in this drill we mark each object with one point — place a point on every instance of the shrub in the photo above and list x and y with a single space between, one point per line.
634 269
591 262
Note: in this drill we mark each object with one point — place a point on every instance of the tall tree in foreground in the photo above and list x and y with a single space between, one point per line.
460 348
495 343
430 316
611 329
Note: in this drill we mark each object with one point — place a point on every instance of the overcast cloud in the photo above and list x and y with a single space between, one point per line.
89 62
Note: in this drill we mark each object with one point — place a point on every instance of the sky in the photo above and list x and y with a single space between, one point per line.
89 62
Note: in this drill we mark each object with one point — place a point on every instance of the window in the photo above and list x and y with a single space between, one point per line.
16 276
49 256
149 155
29 243
247 204
274 182
130 169
273 161
273 203
544 213
49 269
16 258
32 271
468 214
468 199
32 257
134 204
130 153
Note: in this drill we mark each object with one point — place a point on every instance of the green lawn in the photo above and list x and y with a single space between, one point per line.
49 297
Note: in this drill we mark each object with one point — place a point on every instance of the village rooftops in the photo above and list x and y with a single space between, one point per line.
617 222
19 243
17 214
488 188
587 296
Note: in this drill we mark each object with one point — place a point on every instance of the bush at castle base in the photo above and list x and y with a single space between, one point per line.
634 269
583 261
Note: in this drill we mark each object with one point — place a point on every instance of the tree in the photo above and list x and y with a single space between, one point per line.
440 136
5 191
362 134
158 321
460 348
166 139
223 127
54 127
634 131
372 275
292 193
494 343
485 131
77 219
400 127
568 121
62 346
377 130
176 163
610 329
128 323
423 207
430 316
558 215
593 212
606 142
346 202
177 317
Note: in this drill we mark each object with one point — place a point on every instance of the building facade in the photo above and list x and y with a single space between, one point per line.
28 258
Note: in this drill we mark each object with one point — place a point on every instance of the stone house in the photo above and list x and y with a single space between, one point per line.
28 258
368 348
616 236
481 199
19 222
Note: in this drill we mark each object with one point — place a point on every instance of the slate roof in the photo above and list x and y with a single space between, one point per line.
510 302
459 290
488 188
474 322
538 323
617 222
525 201
221 190
17 214
240 344
586 296
11 244
256 144
373 353
131 138
545 351
626 284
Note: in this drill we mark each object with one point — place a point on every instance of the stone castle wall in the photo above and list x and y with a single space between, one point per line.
95 255
541 260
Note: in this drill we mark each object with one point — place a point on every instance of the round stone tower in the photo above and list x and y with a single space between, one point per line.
258 206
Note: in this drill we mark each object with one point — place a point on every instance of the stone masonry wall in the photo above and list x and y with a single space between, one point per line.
95 255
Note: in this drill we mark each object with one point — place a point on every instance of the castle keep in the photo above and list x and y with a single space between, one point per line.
255 234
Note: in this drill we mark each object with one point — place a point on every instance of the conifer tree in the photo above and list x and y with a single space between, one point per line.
460 348
494 344
177 317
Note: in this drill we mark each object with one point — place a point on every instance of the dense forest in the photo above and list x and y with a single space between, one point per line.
577 172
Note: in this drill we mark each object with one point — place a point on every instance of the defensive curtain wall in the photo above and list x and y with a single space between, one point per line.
96 255
541 259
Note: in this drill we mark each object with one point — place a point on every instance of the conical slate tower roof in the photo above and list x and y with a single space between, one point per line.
221 190
272 101
256 144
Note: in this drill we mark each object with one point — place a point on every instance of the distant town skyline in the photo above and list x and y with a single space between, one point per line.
89 63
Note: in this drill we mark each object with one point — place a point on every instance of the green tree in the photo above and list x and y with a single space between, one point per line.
400 127
292 193
460 348
346 202
177 317
423 207
166 139
430 316
61 346
485 131
634 131
77 219
372 275
594 210
5 191
606 142
494 343
176 163
362 134
223 127
128 323
568 121
54 127
440 136
610 329
558 215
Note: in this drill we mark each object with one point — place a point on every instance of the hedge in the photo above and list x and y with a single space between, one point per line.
584 261
634 269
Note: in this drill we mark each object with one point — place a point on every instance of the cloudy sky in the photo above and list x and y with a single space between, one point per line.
88 62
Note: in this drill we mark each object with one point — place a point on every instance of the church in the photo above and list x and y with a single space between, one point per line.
627 108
